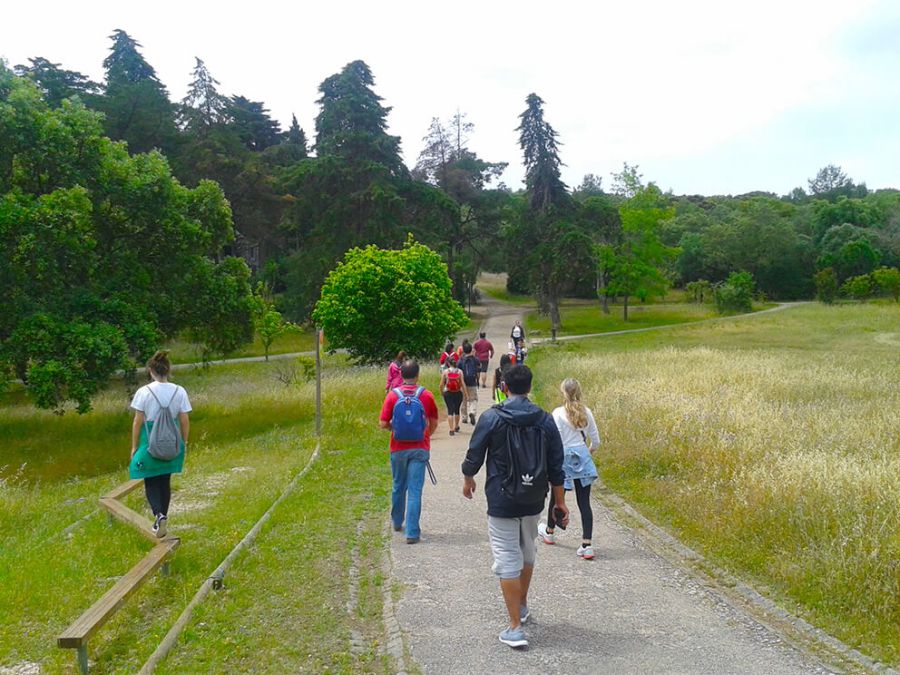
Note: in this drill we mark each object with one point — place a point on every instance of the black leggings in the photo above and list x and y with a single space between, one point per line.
583 497
159 493
453 399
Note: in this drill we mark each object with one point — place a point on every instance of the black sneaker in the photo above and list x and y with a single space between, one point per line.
471 418
159 526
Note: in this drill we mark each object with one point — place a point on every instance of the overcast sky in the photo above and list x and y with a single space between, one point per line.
707 97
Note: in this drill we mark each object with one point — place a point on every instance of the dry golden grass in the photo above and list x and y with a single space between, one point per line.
775 449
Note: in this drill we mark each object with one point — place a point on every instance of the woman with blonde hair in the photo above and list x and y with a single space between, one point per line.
148 403
580 438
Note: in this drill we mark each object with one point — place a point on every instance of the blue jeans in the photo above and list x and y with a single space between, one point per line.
408 471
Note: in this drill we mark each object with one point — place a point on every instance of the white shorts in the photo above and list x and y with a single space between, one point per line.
512 544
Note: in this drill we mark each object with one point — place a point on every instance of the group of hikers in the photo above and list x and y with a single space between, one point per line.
526 453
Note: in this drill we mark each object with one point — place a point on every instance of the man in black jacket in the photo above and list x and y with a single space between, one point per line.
512 525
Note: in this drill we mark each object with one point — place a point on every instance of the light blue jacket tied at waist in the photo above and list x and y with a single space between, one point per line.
578 463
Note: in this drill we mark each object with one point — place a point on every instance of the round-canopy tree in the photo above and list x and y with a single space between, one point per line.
378 302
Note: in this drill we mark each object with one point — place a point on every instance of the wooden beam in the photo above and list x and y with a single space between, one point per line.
88 623
126 515
124 489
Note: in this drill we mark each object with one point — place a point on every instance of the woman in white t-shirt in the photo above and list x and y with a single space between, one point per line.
157 473
580 439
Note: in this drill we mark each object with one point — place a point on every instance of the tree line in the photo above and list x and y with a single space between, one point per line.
127 218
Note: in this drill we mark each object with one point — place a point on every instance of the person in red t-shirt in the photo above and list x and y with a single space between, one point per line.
484 351
408 458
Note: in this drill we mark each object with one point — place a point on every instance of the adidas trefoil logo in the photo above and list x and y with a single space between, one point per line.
527 479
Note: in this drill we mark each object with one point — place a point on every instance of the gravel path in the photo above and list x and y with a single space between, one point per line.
627 611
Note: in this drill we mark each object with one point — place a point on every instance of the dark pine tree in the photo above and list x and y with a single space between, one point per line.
136 103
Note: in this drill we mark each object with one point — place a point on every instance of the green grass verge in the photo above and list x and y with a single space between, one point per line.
768 443
284 606
580 319
302 340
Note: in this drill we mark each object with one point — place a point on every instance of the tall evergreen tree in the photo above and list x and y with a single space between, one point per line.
352 124
297 137
56 83
203 107
541 150
547 244
252 123
136 103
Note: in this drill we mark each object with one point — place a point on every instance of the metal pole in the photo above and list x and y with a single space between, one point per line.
318 382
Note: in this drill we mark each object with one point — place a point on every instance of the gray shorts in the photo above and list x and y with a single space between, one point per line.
512 544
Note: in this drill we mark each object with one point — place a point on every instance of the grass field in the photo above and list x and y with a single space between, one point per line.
581 319
284 606
301 340
771 444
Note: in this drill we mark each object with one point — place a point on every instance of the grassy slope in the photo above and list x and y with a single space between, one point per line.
770 444
578 319
250 435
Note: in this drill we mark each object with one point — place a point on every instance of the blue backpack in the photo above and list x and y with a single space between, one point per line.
408 418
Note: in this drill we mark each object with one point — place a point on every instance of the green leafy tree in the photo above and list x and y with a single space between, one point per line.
105 254
136 104
377 302
826 285
735 294
267 321
859 287
849 250
888 280
699 291
636 266
628 182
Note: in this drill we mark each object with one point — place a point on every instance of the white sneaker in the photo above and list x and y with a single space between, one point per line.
547 538
586 552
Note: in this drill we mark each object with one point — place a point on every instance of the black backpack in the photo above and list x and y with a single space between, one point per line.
526 480
470 367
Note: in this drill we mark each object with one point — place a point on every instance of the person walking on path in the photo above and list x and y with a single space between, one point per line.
410 414
453 388
498 391
513 516
449 350
580 439
147 403
394 378
484 351
470 369
517 334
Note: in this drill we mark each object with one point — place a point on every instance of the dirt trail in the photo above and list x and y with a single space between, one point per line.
627 611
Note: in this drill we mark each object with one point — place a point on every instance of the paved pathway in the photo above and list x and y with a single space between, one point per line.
627 611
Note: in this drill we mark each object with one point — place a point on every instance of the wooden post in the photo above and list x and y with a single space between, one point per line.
319 335
82 658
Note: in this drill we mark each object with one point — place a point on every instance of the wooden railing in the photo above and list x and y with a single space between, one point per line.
76 635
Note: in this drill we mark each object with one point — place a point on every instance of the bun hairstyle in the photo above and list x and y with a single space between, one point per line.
575 410
159 363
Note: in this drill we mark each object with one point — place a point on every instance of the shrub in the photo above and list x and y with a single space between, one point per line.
735 294
826 285
859 287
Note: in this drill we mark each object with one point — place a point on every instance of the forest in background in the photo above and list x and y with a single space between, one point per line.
128 218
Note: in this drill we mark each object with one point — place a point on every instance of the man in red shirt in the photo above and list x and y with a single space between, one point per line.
484 350
413 416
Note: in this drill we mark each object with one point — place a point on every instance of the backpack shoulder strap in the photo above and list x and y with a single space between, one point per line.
419 391
399 393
